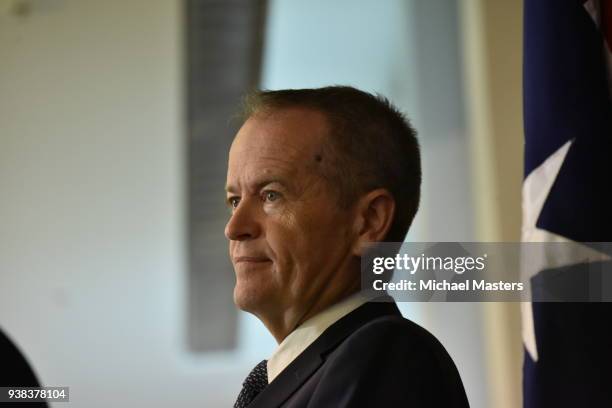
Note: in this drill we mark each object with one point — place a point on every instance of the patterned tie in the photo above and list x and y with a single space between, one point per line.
255 382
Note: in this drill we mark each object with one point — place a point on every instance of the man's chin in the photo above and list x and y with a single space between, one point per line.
246 299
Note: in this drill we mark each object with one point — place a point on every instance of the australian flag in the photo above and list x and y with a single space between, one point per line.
567 192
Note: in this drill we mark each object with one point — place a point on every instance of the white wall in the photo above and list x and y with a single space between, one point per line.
91 208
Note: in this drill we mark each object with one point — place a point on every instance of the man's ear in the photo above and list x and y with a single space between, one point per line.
373 218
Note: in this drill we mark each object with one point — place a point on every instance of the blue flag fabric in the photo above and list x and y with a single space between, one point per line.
568 109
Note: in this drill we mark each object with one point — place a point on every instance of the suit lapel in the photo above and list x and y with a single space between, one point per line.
304 365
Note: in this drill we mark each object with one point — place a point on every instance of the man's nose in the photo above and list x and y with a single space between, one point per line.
243 223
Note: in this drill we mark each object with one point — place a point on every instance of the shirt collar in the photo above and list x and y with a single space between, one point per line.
305 334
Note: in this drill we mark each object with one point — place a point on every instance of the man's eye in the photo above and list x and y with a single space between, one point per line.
271 196
233 201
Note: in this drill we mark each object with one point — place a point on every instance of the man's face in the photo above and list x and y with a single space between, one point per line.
288 237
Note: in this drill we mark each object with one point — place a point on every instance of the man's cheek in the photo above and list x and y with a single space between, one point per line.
285 218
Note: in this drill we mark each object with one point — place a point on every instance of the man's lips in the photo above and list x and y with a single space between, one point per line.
254 259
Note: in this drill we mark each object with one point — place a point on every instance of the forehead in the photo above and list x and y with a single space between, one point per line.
288 140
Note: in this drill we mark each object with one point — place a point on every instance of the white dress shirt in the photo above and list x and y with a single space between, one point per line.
305 334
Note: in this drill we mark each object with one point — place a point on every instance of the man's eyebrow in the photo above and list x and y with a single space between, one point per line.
229 188
257 185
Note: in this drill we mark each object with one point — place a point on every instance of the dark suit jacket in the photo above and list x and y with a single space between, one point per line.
16 372
372 357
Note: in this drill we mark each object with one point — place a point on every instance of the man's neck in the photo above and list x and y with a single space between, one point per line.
282 325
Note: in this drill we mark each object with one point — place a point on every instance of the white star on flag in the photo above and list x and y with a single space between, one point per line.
535 192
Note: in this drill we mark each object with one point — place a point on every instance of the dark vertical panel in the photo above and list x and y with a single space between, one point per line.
224 43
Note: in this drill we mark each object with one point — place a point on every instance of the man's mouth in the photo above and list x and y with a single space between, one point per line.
251 259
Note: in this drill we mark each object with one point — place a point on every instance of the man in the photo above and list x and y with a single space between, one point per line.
314 176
